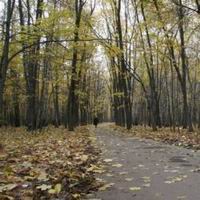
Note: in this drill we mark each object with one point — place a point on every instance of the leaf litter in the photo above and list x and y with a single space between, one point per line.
179 138
50 164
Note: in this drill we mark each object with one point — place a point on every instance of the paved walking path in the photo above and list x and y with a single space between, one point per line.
141 169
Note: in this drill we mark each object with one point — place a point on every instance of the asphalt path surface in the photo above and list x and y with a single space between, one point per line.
141 169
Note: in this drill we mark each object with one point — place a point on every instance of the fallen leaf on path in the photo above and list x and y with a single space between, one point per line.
169 182
105 187
109 175
135 188
107 160
146 185
175 179
134 168
129 179
140 166
181 197
117 165
158 194
171 171
146 179
195 170
95 169
123 173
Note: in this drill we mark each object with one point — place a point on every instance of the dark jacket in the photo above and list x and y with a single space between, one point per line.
96 121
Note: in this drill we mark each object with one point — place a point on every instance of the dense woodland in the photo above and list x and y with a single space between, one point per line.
135 62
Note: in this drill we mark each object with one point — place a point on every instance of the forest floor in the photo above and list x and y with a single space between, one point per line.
52 164
146 169
107 163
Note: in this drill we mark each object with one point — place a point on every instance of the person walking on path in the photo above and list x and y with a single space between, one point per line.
96 121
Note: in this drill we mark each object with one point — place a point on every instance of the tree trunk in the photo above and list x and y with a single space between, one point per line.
184 66
72 105
31 67
5 53
123 70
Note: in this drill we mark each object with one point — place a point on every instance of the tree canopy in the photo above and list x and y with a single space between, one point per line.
129 61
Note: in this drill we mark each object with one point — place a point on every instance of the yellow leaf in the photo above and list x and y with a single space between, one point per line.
58 188
135 188
108 160
106 186
117 165
95 169
123 173
52 191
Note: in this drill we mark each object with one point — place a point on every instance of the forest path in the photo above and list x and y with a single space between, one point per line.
147 170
